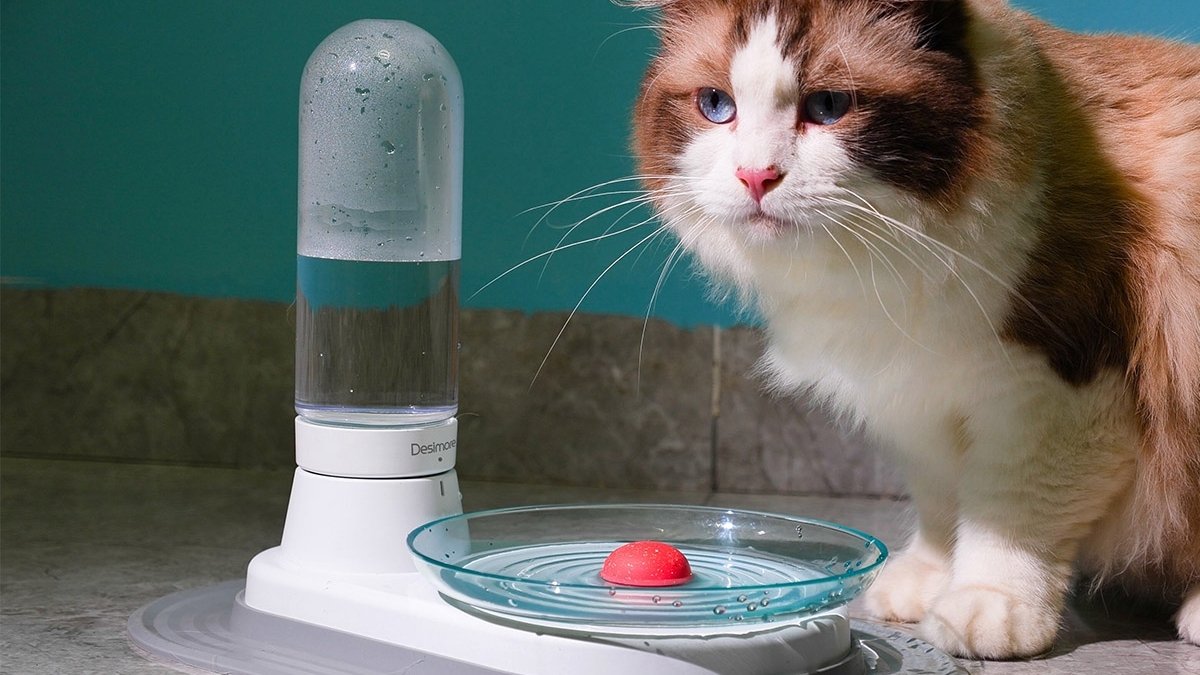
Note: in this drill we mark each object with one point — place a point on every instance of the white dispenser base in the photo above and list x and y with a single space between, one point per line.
340 594
403 610
343 564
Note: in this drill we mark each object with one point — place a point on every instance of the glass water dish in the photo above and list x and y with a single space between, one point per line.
541 565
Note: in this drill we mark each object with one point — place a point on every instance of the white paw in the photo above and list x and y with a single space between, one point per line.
905 589
1188 618
986 622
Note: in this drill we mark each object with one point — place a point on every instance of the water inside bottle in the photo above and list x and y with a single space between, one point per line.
376 342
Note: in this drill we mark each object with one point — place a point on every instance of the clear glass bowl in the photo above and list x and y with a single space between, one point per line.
542 564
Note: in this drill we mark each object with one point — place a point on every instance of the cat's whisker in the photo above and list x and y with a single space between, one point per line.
628 29
588 192
584 193
916 235
662 229
692 208
894 245
921 238
555 250
886 312
668 264
849 258
901 228
634 178
869 209
575 310
873 248
637 202
598 195
873 253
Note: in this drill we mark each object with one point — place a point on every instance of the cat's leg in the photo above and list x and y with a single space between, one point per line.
1028 493
910 582
914 577
1004 599
1188 618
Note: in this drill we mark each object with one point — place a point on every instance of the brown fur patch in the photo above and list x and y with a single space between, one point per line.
1116 269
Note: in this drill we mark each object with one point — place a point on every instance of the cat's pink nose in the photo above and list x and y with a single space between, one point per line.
758 181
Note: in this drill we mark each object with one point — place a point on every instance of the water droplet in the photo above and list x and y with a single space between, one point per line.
408 239
612 591
442 107
738 617
741 598
389 147
677 604
751 607
656 599
421 254
427 77
719 610
765 602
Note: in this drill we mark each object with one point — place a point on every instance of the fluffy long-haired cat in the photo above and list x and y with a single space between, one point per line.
979 237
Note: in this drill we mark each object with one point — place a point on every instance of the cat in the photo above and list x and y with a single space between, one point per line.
978 237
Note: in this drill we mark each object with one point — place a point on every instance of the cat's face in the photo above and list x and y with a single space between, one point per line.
760 119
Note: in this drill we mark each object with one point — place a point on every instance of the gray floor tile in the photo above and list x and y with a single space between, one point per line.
84 544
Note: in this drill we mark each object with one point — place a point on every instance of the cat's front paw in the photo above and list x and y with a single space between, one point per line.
1188 618
987 622
905 589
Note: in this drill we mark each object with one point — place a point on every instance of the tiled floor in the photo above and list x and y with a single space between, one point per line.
84 544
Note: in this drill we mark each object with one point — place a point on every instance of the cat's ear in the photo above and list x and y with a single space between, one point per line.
941 24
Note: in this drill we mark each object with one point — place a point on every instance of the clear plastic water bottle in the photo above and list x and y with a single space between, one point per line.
379 229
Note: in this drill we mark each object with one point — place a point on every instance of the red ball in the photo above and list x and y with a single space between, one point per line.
646 563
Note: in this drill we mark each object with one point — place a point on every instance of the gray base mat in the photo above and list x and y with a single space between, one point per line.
210 629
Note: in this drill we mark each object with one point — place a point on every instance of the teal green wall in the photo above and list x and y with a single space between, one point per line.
152 145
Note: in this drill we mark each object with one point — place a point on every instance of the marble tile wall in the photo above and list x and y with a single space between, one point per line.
152 377
145 377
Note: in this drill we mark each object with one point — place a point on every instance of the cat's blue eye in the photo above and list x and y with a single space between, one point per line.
716 106
826 107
